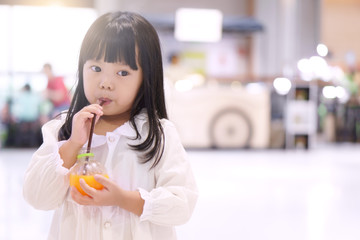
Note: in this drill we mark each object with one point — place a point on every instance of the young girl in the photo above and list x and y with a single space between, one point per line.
151 187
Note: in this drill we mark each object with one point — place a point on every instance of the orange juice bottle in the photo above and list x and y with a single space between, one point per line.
86 167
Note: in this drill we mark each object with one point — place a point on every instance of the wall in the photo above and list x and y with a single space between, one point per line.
291 33
340 28
228 7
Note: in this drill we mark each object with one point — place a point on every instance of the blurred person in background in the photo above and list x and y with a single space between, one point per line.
56 91
6 121
23 119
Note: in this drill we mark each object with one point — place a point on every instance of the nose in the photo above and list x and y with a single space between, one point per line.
106 84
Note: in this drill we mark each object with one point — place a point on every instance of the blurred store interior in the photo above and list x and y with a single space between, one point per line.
266 74
268 86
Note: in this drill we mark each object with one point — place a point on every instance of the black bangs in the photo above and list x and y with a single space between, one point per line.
113 43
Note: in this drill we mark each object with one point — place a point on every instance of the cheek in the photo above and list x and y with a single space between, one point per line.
88 88
139 82
129 94
86 91
136 89
132 86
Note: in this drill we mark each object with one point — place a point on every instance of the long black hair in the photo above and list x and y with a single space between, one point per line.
123 36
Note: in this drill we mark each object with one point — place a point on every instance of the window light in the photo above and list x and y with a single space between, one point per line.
198 25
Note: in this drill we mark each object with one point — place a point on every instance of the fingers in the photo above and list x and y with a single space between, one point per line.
79 198
82 117
94 108
108 196
84 199
106 182
82 122
87 189
90 110
93 197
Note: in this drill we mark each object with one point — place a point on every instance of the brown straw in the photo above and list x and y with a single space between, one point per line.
92 131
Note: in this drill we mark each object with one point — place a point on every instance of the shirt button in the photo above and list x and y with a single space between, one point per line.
111 139
107 224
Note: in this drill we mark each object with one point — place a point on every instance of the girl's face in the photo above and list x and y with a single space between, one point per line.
114 84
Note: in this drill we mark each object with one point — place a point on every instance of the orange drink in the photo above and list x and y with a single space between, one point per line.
86 167
89 179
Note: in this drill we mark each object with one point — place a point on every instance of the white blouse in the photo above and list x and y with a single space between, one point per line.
169 189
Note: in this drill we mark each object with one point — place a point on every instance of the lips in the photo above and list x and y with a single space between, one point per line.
104 101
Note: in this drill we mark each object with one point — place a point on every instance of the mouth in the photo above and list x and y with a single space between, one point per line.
104 101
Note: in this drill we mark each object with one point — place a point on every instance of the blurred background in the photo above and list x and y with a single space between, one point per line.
266 74
264 94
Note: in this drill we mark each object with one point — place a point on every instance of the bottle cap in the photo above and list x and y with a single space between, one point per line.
85 155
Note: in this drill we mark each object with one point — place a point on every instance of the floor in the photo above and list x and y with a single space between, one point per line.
247 194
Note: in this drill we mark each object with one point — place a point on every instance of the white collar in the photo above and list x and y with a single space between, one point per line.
126 129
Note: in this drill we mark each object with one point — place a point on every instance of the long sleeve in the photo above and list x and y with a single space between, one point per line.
173 199
46 180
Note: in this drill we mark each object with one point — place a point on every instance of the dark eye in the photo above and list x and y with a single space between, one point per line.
123 73
96 68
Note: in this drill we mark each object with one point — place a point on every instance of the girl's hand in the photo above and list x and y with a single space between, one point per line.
105 197
82 122
110 195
